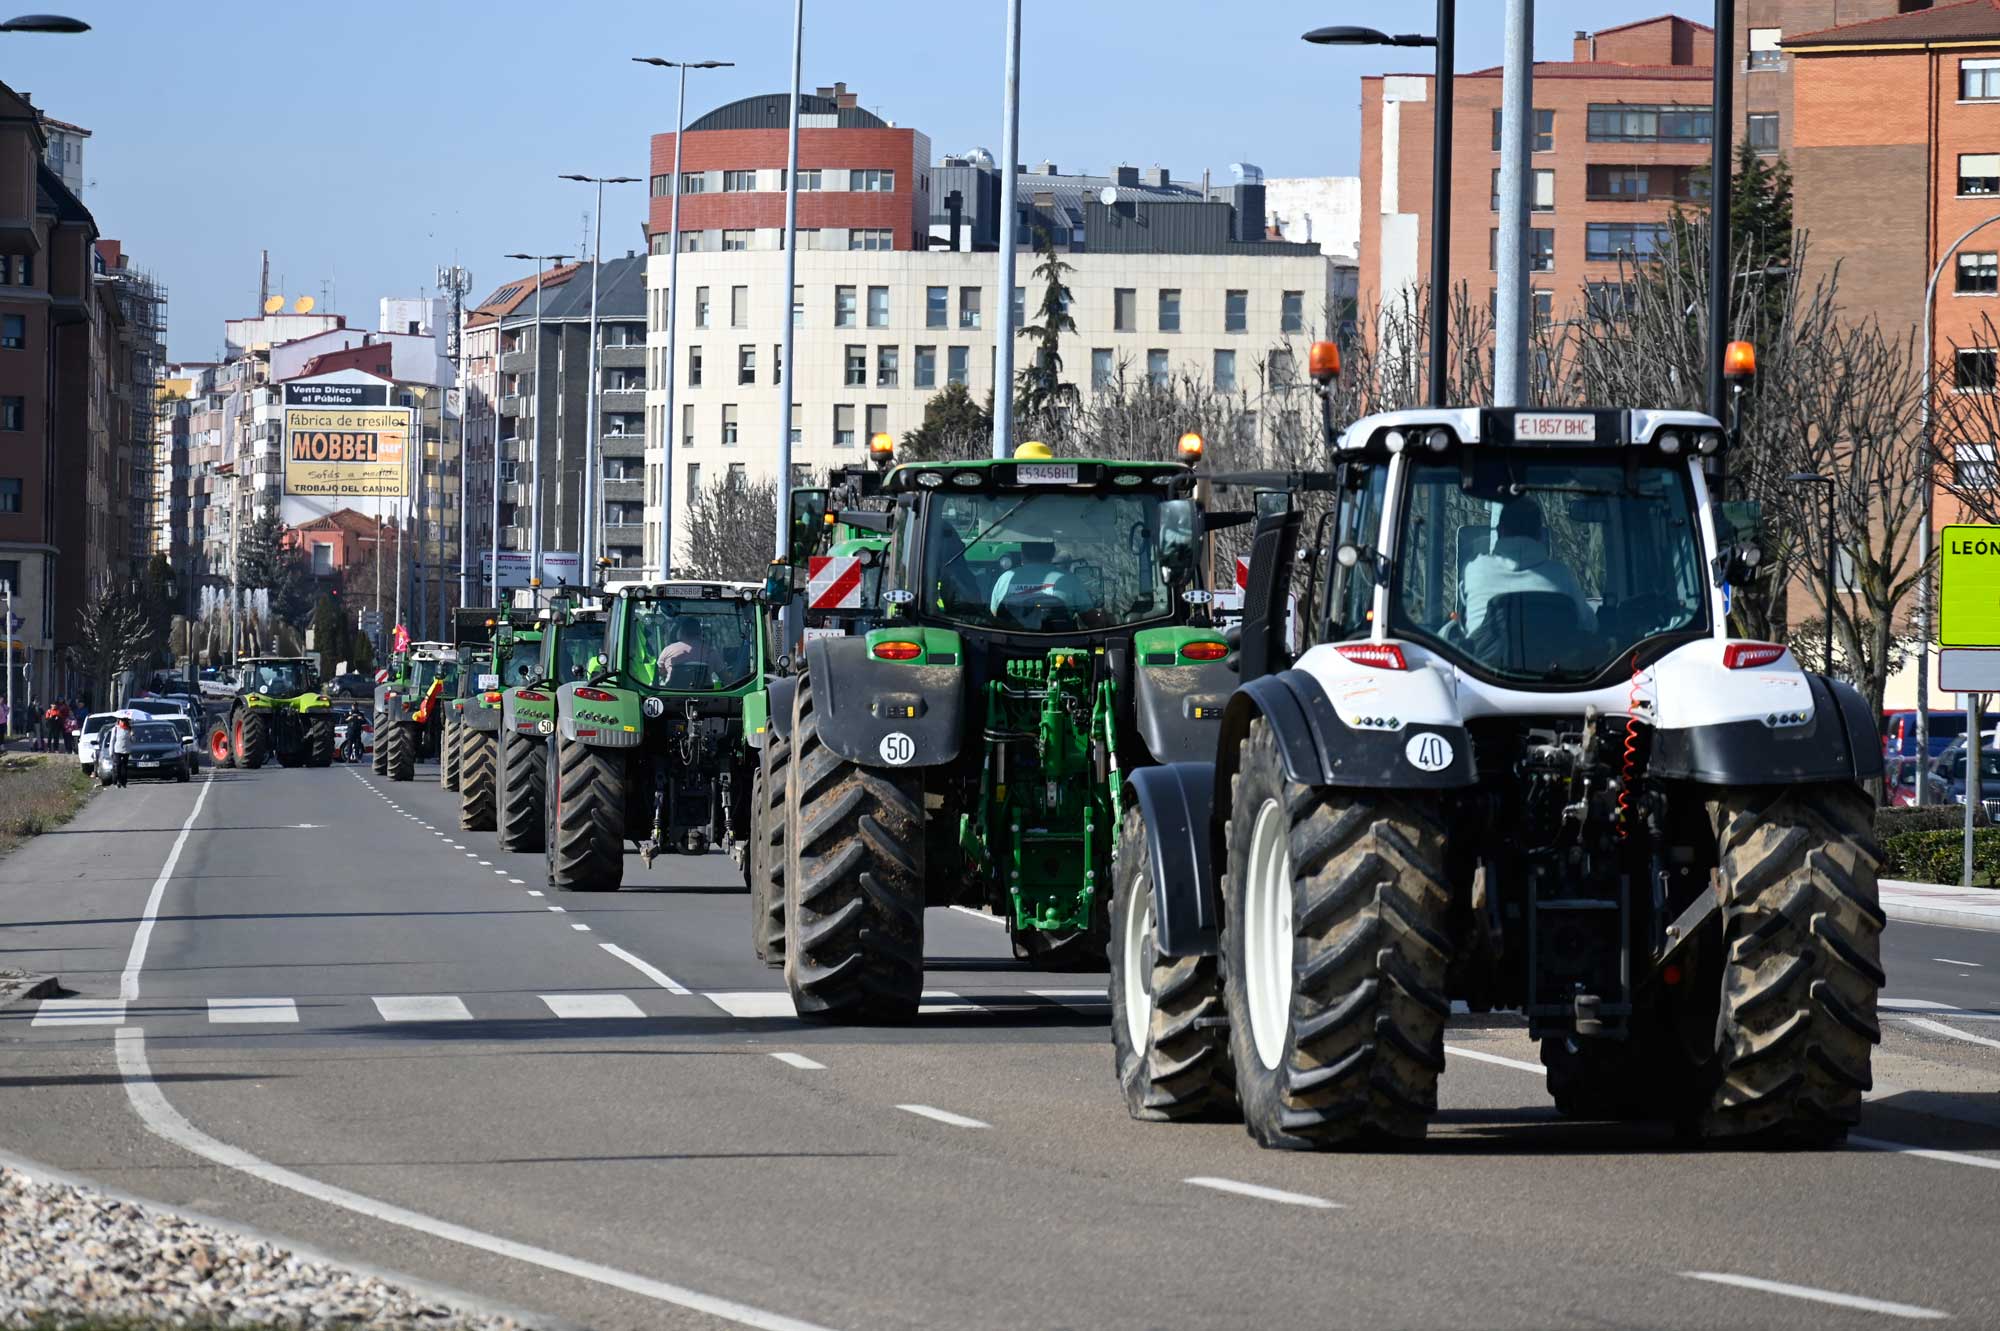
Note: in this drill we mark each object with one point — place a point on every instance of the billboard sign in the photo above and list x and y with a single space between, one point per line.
341 451
336 395
558 566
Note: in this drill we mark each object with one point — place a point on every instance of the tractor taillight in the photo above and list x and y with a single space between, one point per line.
1204 651
1381 655
493 697
596 695
529 695
898 651
1749 655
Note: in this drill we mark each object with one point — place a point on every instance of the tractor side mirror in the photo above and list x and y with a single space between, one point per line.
808 519
1273 503
1180 537
1738 525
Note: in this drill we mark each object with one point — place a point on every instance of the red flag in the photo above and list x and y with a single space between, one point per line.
402 638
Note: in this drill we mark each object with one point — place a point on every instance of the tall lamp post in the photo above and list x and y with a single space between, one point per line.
535 408
1010 170
1445 42
674 294
587 535
1814 478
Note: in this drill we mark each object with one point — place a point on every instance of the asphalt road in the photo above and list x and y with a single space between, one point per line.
353 1025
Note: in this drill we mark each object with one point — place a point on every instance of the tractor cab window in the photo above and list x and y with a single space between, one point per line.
280 679
521 663
1547 569
1044 561
422 672
691 644
567 658
1351 598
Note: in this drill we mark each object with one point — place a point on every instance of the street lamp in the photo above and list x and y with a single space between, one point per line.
51 23
1444 42
535 407
1814 478
587 535
674 293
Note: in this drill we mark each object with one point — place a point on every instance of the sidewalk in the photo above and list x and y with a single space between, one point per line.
1929 903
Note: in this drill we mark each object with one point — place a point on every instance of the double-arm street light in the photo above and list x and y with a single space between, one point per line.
587 534
674 296
1444 42
535 407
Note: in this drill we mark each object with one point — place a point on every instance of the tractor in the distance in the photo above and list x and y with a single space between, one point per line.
408 720
274 709
566 636
472 714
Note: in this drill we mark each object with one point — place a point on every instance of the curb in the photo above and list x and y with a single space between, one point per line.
1944 915
31 987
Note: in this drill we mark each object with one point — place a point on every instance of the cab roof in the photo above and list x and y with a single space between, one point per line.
1535 428
1054 473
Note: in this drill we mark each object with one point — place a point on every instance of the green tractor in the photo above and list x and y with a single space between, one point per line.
407 715
472 714
1044 632
566 637
650 748
276 711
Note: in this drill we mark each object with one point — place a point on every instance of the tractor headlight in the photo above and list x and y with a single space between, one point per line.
1669 442
1438 440
1395 441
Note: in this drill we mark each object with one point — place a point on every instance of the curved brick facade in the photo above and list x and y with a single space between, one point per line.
905 211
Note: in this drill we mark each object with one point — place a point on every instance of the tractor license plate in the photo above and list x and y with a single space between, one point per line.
1556 429
489 681
1045 473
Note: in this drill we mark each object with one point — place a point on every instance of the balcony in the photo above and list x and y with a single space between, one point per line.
518 362
622 399
623 358
628 444
629 491
516 450
521 494
513 404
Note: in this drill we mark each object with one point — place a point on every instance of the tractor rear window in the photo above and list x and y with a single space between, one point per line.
689 644
523 661
280 679
1048 562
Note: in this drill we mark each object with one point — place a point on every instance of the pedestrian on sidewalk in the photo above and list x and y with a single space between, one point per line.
121 750
72 724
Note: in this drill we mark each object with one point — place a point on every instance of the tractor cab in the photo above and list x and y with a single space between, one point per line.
279 677
698 638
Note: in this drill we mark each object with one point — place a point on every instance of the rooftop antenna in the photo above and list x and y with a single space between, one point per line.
264 281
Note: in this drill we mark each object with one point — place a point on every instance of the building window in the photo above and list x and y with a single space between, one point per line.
1764 52
1235 311
1170 310
846 301
871 238
1608 301
729 425
746 364
1225 372
736 240
954 366
808 180
1974 371
1979 80
1542 250
1019 313
888 365
1762 131
872 182
1282 370
1607 241
739 307
1156 367
738 475
1979 274
1101 371
1641 183
322 559
968 307
937 307
926 367
693 182
798 430
694 367
1545 190
1545 130
1974 464
878 307
1619 123
877 418
738 182
13 332
1125 310
10 494
856 372
798 307
1544 304
701 307
1979 173
1292 312
843 426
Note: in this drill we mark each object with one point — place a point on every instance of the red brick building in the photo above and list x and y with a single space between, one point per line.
863 183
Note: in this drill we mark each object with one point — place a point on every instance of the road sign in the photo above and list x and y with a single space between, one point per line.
370 621
1969 586
1969 669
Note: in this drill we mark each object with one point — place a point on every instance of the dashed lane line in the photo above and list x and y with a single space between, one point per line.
645 968
1939 1028
581 928
423 1007
558 910
944 1116
79 1012
1908 1311
1264 1194
252 1011
588 1006
1976 965
799 1061
1481 1056
984 917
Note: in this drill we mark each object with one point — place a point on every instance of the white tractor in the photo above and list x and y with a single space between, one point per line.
1520 763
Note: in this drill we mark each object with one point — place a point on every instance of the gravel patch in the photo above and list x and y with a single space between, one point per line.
72 1257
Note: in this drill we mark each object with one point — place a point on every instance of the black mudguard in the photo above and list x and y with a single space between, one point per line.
780 693
862 703
1842 744
1175 800
1319 749
1179 709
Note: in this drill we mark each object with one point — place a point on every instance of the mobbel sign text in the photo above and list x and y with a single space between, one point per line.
356 451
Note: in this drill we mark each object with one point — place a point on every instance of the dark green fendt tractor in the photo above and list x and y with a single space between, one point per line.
1040 640
472 718
650 748
565 638
278 712
407 718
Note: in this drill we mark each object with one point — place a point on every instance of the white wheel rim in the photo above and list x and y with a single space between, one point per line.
1138 987
1267 933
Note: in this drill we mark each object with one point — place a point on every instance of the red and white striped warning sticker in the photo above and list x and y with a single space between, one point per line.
833 582
1242 575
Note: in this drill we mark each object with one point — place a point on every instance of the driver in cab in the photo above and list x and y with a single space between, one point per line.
1035 577
687 647
1520 562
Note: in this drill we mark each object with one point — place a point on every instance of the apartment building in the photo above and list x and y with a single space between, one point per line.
1763 81
142 330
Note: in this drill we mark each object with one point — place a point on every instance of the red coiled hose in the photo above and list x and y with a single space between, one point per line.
1630 770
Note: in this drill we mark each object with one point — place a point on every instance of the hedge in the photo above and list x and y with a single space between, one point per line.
1939 856
1930 818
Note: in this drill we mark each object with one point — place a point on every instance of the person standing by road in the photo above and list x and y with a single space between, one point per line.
121 750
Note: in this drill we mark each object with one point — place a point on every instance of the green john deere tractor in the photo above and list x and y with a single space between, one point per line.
1045 631
277 711
565 638
407 714
650 748
472 713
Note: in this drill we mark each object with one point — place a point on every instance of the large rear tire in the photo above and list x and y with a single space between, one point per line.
447 752
1335 950
319 740
1169 1042
221 748
475 780
767 849
1802 962
586 851
854 882
253 739
379 750
522 779
402 749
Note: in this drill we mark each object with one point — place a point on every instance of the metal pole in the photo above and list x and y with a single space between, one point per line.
1010 166
464 472
1443 86
588 524
1517 123
673 425
9 585
1974 752
785 337
403 520
235 571
1829 576
535 408
1722 137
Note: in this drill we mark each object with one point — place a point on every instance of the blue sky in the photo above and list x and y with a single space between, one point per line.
365 143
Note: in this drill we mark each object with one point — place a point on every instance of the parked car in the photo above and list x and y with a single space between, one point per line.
156 750
352 685
86 738
1899 783
184 726
1899 732
1949 772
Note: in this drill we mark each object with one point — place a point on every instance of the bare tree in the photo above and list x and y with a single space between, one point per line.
731 530
113 636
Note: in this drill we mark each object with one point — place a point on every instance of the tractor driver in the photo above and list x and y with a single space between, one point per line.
1034 578
1521 562
688 647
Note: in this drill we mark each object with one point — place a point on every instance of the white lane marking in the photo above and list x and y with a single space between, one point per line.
1081 999
591 1005
165 1122
473 855
1913 1005
1976 965
457 846
943 1000
646 968
516 880
756 1003
486 863
224 1011
558 910
1482 1057
531 891
79 1012
1939 1028
1883 1306
799 1061
422 1007
1925 1152
135 960
1264 1194
499 873
984 917
943 1116
581 928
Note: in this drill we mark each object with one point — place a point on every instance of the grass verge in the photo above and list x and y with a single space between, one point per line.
38 791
